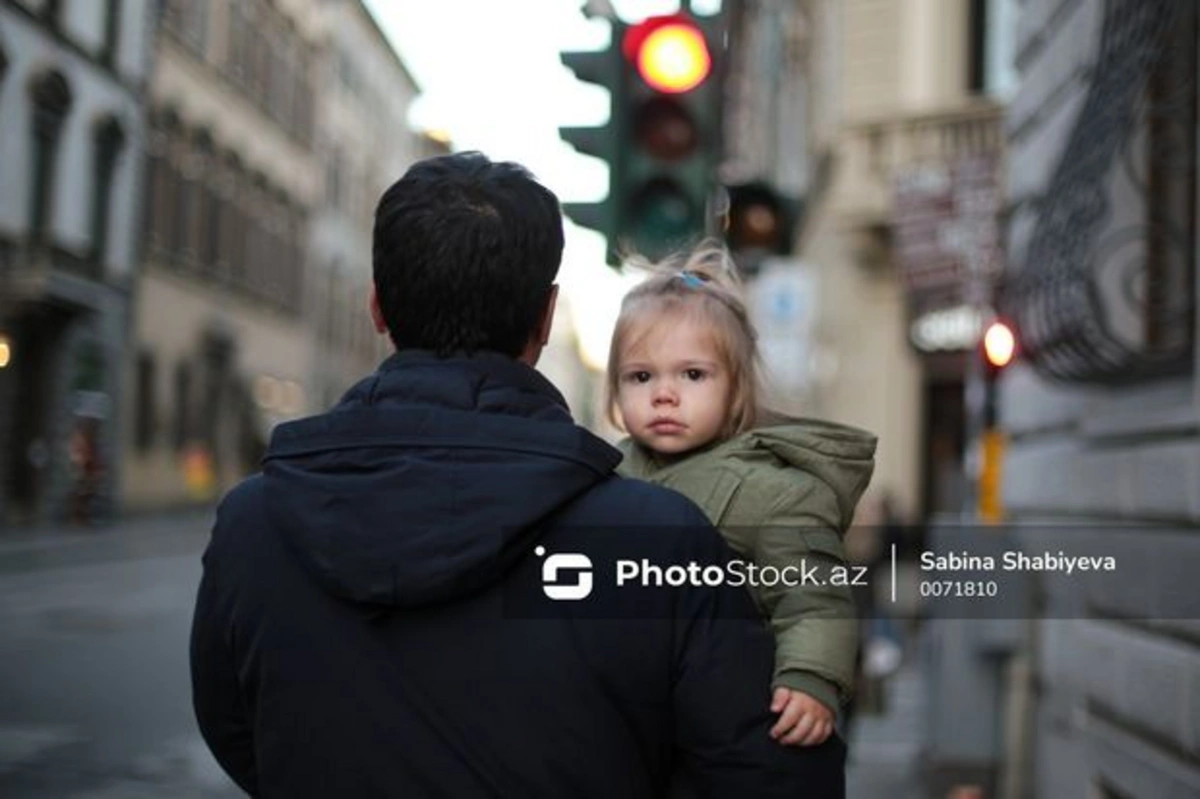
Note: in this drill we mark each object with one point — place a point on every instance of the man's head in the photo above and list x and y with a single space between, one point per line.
465 255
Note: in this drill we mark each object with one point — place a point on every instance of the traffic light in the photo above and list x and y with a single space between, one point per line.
672 138
758 224
998 348
604 68
662 140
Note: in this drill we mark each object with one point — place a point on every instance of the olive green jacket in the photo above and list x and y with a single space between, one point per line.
781 495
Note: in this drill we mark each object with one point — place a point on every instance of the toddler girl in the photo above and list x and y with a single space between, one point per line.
683 375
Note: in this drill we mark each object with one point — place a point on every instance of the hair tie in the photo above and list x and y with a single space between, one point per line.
691 280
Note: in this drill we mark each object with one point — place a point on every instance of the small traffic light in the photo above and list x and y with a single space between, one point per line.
759 224
671 142
999 345
998 349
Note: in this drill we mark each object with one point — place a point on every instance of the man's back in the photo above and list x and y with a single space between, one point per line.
369 622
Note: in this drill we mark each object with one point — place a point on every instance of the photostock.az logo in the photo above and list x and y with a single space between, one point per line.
574 564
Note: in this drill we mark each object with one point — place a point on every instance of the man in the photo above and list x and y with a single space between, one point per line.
363 626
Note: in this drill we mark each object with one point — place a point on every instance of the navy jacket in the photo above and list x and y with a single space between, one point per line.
368 624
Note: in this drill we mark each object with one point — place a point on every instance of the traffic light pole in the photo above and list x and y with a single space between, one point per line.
975 388
976 201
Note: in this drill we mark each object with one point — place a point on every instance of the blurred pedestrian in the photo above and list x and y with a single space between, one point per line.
350 636
87 469
683 376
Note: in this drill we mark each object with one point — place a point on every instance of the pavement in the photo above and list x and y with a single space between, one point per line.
885 749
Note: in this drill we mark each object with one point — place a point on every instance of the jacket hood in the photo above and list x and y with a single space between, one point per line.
841 456
430 478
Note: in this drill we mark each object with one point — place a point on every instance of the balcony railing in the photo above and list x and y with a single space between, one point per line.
871 153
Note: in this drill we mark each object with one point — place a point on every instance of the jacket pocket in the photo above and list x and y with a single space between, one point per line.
720 496
826 543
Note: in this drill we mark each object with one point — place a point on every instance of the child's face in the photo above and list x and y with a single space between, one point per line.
672 388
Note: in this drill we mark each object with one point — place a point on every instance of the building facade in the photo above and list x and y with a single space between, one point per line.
73 76
364 143
220 344
1103 407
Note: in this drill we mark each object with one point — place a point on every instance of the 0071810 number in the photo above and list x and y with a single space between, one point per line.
959 588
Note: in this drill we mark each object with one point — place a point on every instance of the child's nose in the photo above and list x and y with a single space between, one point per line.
664 393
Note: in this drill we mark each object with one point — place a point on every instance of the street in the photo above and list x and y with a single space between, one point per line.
94 696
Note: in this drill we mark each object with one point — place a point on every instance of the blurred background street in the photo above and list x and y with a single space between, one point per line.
968 226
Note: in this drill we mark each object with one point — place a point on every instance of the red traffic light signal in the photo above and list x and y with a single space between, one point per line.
671 53
999 345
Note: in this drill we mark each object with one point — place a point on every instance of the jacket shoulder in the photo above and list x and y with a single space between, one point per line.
239 514
623 501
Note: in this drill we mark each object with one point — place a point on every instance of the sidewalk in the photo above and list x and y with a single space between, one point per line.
884 761
142 535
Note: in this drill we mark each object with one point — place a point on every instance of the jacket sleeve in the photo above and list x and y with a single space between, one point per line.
217 698
815 623
722 677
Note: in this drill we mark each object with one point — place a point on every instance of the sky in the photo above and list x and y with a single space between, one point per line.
490 76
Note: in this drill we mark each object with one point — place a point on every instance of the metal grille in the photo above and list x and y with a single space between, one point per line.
1068 320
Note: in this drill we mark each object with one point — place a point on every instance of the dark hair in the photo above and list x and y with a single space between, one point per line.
465 252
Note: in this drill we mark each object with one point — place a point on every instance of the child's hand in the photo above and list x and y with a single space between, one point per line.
803 721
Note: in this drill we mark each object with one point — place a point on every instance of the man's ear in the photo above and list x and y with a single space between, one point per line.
376 314
547 322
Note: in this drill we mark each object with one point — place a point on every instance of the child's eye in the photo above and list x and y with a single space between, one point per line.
695 374
638 377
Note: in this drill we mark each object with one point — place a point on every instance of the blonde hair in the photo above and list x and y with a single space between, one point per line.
703 285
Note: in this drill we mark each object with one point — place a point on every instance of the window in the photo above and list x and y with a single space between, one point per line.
231 240
977 46
210 240
185 190
991 47
146 403
158 189
112 31
107 144
201 163
51 100
183 390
